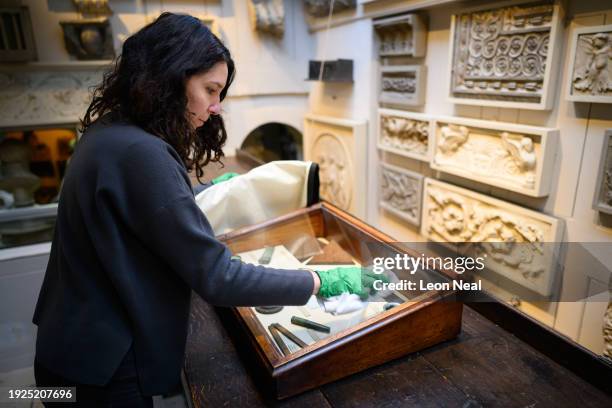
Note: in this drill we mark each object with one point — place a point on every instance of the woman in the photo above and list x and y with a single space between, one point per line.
130 243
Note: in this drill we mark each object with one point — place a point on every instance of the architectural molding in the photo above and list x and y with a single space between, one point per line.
603 189
402 85
590 78
402 36
514 157
506 56
400 192
520 244
339 147
406 134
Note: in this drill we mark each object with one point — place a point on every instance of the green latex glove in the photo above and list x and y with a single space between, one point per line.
352 279
224 177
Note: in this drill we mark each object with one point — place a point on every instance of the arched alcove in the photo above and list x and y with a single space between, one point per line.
274 141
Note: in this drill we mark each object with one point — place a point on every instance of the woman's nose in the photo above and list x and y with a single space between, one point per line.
214 109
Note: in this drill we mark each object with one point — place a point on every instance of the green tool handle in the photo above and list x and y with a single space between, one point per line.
309 324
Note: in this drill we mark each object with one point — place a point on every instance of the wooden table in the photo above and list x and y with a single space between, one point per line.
484 366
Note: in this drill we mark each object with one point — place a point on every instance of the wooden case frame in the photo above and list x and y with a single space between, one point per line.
431 318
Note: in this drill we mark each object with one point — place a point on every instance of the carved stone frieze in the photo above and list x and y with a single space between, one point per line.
402 85
268 16
404 133
321 8
591 59
100 7
45 97
335 172
400 192
514 157
519 244
89 39
401 36
504 54
339 147
603 192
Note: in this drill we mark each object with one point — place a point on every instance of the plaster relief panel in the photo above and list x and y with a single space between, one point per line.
405 133
403 36
517 243
591 59
402 85
514 157
505 56
400 192
603 192
268 16
339 147
43 98
322 8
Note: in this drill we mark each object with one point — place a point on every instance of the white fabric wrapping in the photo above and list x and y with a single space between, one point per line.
265 192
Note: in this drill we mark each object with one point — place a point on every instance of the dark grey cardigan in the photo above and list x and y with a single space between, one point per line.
129 245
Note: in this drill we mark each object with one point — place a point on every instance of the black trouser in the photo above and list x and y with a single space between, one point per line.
121 391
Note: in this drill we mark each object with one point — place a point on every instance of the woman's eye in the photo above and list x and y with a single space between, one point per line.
210 90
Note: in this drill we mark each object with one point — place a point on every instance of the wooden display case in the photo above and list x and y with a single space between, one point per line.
321 237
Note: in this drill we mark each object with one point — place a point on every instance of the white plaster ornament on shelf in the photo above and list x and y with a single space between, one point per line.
590 78
339 147
268 16
520 244
402 85
518 158
506 56
400 192
403 36
406 134
603 191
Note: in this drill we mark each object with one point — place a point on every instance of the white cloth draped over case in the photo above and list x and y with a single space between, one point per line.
267 191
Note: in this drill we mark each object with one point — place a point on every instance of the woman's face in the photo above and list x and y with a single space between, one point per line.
203 93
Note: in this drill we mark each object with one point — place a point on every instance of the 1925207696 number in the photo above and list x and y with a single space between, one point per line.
46 394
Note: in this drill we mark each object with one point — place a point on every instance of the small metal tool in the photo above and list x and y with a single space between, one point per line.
309 324
289 335
268 309
279 341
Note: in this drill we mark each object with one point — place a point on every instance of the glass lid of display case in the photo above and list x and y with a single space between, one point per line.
320 238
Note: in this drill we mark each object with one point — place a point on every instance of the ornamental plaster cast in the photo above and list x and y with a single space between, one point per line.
519 244
321 8
401 192
334 170
591 73
339 147
405 133
504 54
401 36
514 157
603 192
402 85
43 98
268 16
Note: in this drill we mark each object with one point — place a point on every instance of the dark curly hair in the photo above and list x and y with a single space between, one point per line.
147 86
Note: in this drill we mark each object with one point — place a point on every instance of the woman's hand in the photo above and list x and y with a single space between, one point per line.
351 279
